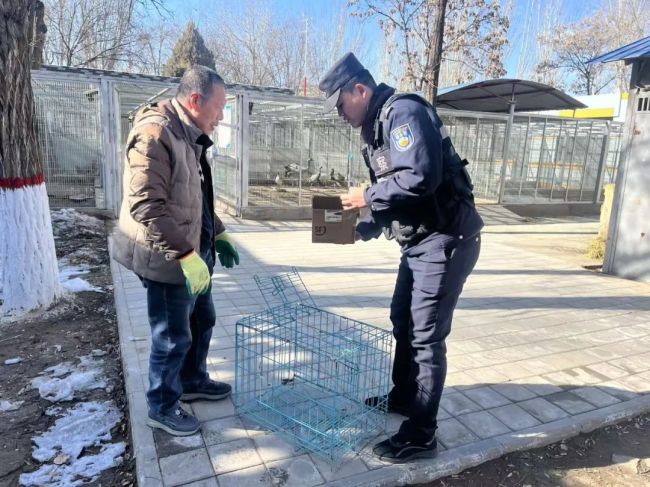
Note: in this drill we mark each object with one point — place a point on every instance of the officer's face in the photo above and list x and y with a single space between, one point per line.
353 105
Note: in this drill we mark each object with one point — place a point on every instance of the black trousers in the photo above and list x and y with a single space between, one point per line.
429 282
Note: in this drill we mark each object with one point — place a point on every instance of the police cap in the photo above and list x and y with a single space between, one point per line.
344 70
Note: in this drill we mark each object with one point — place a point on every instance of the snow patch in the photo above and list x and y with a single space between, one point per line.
66 271
82 471
86 425
53 411
12 361
77 285
69 281
59 370
10 406
55 387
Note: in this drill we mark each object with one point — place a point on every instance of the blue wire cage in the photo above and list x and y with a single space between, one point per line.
305 372
285 288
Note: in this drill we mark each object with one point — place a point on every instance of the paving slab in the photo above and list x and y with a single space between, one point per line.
540 350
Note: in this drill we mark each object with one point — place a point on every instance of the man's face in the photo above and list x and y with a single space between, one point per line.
207 111
353 105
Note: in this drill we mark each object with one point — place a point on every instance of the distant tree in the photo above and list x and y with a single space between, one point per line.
564 49
245 46
190 49
472 34
544 18
154 44
330 40
626 21
255 47
475 39
89 33
570 49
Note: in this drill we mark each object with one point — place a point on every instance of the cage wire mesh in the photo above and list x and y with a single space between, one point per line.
297 151
69 131
285 288
305 372
286 150
222 156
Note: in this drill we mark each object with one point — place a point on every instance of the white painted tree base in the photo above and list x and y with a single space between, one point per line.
29 274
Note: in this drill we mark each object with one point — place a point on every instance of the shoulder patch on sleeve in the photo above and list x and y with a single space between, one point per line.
402 137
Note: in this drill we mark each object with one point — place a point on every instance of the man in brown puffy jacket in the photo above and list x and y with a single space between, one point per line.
169 235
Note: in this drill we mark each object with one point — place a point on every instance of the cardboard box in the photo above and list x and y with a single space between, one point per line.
330 222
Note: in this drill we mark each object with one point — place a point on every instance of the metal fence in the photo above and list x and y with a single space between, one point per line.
550 159
295 151
68 117
275 150
83 121
559 160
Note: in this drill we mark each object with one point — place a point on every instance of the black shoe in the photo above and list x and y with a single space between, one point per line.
210 391
389 405
395 450
178 423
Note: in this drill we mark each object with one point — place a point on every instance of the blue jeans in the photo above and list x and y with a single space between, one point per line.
181 329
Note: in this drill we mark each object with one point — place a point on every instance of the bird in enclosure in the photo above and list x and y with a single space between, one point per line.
340 178
333 179
291 169
279 183
315 178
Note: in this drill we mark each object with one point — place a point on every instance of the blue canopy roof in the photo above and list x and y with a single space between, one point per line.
636 50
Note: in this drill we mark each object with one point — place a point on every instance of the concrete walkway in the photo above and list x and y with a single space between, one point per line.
540 350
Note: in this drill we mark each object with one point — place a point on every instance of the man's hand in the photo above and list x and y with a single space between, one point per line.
354 199
197 275
226 250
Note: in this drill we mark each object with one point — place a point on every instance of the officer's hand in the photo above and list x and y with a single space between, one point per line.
226 250
354 199
197 275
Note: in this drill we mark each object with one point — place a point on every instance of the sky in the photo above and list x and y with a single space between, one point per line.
322 12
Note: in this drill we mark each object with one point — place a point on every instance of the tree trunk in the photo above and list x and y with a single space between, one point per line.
436 58
39 30
29 277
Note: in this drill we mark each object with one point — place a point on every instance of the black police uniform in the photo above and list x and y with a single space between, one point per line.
421 196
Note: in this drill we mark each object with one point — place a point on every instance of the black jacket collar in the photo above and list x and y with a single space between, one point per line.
377 100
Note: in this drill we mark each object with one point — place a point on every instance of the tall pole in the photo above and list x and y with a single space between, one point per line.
506 149
305 56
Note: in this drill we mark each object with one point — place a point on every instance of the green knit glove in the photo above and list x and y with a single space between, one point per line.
226 250
197 275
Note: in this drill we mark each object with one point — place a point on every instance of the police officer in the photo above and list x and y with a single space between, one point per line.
421 196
